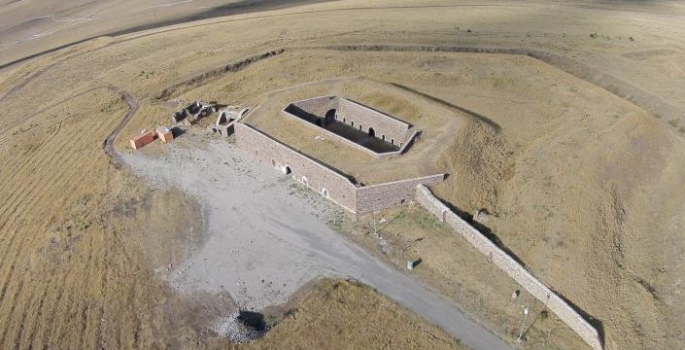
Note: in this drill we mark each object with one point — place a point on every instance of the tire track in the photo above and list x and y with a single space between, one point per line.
38 160
24 195
37 194
39 320
13 306
27 306
48 161
47 335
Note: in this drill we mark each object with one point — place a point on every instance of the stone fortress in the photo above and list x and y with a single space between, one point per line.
381 136
352 125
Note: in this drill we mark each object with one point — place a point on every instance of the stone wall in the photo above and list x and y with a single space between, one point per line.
324 180
391 194
337 137
318 105
311 173
512 268
389 129
394 130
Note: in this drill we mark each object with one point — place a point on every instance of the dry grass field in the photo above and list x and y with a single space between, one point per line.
459 271
583 186
344 315
29 28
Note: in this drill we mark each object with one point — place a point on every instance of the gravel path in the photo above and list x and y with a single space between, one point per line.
265 237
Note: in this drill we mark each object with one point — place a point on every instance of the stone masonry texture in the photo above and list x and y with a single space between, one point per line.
327 181
392 194
512 268
363 116
358 116
316 176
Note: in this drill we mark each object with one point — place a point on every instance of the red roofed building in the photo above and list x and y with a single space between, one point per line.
142 140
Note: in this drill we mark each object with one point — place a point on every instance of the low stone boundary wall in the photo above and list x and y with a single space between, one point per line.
391 194
512 268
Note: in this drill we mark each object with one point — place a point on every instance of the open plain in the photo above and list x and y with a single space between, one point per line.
563 120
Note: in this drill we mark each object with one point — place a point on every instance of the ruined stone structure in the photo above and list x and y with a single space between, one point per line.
512 268
227 117
352 123
192 113
325 180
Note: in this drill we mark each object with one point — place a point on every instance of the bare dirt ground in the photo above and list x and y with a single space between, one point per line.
265 239
589 195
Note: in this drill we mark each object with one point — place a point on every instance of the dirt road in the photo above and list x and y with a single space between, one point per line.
266 237
108 144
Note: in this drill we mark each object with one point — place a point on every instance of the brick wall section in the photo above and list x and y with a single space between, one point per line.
318 177
391 194
368 118
512 268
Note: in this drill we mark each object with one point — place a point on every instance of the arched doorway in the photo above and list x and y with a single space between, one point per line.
331 116
287 170
372 132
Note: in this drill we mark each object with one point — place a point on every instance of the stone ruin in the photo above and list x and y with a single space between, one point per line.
227 117
194 112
